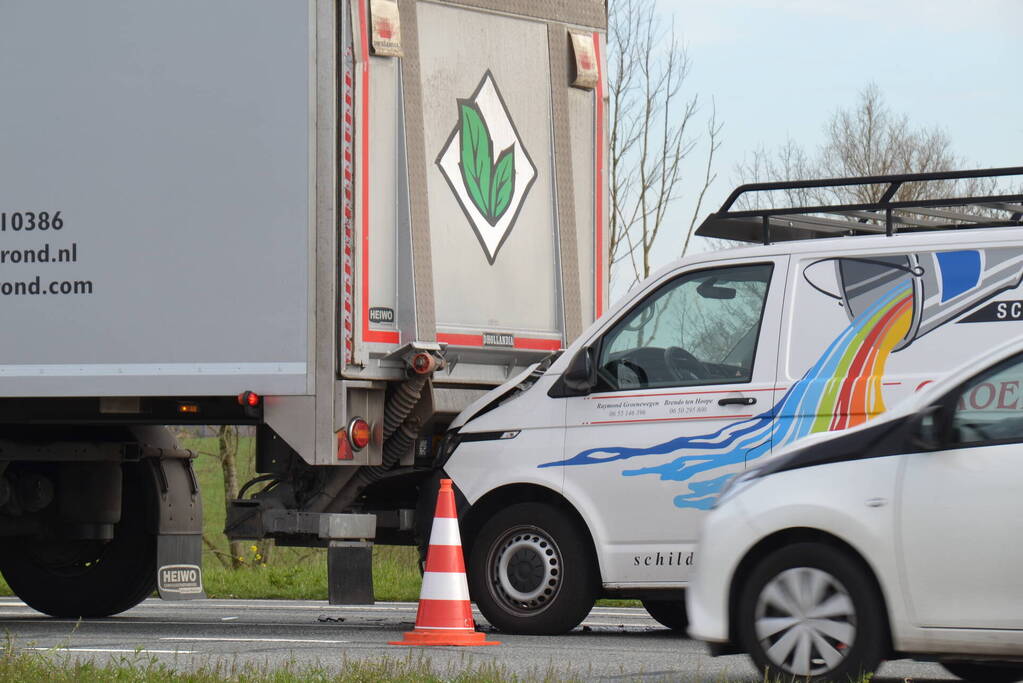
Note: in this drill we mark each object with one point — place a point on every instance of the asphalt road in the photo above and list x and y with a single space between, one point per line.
612 644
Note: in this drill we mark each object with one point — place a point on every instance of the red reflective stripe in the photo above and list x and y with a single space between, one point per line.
444 614
445 558
461 339
381 336
598 209
520 342
538 344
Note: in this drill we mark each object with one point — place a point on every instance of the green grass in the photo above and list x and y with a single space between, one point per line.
18 666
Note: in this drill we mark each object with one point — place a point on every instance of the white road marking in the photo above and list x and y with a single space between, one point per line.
256 640
228 618
140 651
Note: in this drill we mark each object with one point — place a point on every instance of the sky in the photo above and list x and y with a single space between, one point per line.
779 70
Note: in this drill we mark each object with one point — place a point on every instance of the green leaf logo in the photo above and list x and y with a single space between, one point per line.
486 165
490 185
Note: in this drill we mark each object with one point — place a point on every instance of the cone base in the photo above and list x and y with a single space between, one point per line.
460 638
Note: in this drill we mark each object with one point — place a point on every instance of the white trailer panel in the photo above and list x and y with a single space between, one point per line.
181 172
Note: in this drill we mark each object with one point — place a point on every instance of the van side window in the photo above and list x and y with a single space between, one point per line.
989 409
700 328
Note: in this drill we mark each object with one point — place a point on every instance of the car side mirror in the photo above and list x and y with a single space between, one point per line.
928 430
579 377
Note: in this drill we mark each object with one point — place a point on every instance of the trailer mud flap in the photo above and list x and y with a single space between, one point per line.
179 567
178 529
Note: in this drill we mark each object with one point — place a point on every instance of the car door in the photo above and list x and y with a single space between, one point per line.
961 510
683 380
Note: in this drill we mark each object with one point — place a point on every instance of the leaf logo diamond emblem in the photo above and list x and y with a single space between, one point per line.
486 166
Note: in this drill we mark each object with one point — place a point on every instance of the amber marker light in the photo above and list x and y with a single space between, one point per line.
359 433
188 408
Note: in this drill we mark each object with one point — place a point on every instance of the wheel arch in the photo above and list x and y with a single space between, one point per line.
791 536
484 508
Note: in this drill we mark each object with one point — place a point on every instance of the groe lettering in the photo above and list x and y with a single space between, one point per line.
1004 395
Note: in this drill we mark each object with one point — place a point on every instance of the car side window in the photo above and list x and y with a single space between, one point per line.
989 408
700 328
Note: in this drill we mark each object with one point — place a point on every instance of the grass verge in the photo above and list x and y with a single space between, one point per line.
53 666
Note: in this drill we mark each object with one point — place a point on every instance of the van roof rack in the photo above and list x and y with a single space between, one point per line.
808 214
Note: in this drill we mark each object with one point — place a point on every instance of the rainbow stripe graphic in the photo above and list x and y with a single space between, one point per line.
842 389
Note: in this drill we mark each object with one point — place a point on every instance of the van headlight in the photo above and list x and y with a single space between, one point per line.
736 484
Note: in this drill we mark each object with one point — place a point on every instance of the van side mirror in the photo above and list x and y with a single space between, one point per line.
928 429
579 377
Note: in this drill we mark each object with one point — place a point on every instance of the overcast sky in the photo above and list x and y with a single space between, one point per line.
780 69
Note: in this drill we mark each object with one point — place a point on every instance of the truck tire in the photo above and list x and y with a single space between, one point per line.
72 578
531 570
668 613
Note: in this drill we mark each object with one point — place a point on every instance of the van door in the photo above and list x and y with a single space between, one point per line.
685 385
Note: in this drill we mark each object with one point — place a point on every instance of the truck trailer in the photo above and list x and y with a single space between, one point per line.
337 221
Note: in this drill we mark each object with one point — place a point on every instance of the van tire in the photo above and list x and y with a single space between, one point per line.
668 613
72 579
531 570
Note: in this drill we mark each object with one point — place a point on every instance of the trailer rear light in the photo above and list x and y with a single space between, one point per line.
359 433
188 408
249 399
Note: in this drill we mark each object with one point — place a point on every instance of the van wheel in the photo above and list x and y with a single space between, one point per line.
985 672
75 578
810 611
668 613
531 570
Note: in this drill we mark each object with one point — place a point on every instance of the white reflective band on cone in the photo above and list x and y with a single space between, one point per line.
444 586
445 531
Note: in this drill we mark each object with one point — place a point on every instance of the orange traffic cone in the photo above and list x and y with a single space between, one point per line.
445 616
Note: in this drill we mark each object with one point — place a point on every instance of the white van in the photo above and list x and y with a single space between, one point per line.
589 475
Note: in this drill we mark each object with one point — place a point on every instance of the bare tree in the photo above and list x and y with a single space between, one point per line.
865 139
651 132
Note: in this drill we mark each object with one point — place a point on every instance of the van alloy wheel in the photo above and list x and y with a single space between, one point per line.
805 621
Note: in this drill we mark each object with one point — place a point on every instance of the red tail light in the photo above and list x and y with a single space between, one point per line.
249 398
359 433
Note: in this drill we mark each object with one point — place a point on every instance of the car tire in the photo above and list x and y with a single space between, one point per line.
846 640
668 613
531 570
985 672
72 579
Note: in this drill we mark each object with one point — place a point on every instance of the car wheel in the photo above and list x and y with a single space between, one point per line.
809 611
985 672
669 613
531 570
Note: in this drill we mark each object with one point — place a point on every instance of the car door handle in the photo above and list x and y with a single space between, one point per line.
737 401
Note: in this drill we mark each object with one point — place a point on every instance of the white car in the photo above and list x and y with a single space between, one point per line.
902 537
